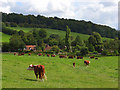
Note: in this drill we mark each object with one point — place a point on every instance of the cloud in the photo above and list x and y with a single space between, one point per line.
97 11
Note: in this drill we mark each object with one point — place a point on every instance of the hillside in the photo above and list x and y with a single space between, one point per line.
54 31
84 27
5 37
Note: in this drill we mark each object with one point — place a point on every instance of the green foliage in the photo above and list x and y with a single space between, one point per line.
29 39
5 47
13 24
116 52
55 49
59 23
77 41
16 43
55 36
99 48
84 51
105 52
91 48
67 38
53 42
92 40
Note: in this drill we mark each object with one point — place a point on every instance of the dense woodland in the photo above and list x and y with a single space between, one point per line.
58 23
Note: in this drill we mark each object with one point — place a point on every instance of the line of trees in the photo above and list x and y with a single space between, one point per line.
13 19
76 46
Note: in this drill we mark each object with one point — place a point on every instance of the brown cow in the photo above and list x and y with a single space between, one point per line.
29 53
79 57
53 55
19 54
15 53
74 64
38 70
63 56
86 62
39 54
91 57
22 53
48 55
71 57
96 58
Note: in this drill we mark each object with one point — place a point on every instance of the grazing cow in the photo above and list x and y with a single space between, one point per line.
53 55
63 56
71 57
19 54
15 53
79 57
38 70
73 64
48 55
91 57
96 58
22 53
39 54
29 53
86 62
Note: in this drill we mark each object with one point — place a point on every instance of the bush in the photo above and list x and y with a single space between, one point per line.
105 52
5 47
84 51
95 52
116 52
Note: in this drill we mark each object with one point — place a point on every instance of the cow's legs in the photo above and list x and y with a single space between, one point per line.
36 76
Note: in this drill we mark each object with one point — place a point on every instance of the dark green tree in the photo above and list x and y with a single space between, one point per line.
16 43
67 38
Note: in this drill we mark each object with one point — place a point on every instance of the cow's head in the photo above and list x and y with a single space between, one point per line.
31 67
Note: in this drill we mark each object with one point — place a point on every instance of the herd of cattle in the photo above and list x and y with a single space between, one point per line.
86 62
40 69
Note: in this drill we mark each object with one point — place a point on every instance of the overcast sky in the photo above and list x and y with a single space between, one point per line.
103 12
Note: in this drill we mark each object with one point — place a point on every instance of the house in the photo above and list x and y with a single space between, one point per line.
30 47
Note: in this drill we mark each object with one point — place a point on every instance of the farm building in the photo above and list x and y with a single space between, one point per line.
30 47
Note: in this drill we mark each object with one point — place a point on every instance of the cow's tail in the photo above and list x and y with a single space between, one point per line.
45 77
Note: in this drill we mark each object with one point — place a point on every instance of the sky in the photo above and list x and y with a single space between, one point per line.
103 12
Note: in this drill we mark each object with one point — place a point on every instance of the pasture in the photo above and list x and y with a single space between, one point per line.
101 73
54 31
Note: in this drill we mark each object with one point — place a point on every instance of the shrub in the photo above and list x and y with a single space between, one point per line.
84 51
105 52
95 52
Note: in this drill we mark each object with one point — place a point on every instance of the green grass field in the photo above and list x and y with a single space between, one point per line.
5 37
101 73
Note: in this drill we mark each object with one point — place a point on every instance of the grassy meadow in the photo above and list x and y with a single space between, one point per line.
5 37
54 31
101 73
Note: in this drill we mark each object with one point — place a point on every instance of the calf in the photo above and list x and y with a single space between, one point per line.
91 57
73 64
86 62
38 70
79 57
71 57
